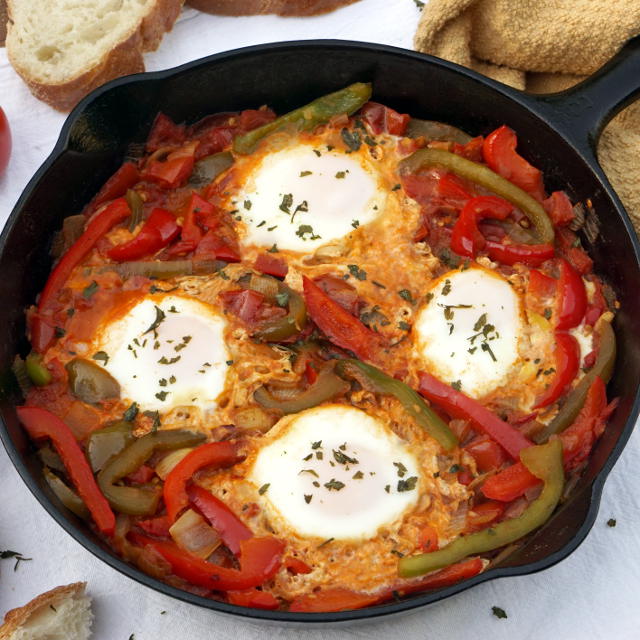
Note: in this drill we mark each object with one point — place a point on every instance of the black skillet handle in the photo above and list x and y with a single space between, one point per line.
584 110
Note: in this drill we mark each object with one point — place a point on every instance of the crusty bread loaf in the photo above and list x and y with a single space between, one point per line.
64 50
3 21
281 7
64 613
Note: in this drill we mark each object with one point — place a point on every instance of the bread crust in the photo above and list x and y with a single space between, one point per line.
124 59
18 617
280 7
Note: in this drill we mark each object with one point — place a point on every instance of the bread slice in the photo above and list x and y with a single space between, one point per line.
281 7
3 21
63 49
64 613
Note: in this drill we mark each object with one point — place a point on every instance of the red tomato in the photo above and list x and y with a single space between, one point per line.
489 455
5 141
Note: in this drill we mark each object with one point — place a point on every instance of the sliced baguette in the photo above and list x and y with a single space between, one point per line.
63 50
281 7
64 613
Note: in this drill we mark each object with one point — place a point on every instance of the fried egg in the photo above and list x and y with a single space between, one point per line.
166 352
469 330
335 472
306 194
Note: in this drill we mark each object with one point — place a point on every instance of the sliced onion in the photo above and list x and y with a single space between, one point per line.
171 460
254 418
193 534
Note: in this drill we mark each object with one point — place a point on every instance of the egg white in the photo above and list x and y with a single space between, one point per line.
311 454
469 330
181 361
304 195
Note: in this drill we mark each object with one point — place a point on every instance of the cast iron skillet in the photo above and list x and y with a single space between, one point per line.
557 133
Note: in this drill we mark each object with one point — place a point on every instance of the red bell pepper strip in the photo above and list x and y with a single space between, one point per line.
259 561
489 455
230 528
510 483
572 297
334 599
266 263
382 119
40 423
212 454
579 438
445 577
253 598
533 255
466 239
499 152
190 233
567 358
116 186
459 405
42 328
343 329
174 170
156 233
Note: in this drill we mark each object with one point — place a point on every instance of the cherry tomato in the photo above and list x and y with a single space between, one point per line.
5 141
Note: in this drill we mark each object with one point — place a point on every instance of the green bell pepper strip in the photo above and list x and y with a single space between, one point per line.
89 382
283 327
37 372
103 444
144 500
543 461
67 496
602 368
327 386
321 110
413 404
485 177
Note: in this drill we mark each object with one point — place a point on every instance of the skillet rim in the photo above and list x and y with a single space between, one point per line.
525 101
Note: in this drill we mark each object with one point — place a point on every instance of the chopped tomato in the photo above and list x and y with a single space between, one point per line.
569 247
243 303
571 297
428 539
382 119
253 118
499 152
489 455
472 150
296 566
559 208
266 263
484 514
164 132
141 475
510 483
190 232
157 527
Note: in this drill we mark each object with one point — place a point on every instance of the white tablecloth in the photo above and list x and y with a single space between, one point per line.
591 594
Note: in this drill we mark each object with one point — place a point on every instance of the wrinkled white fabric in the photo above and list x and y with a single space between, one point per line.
591 594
